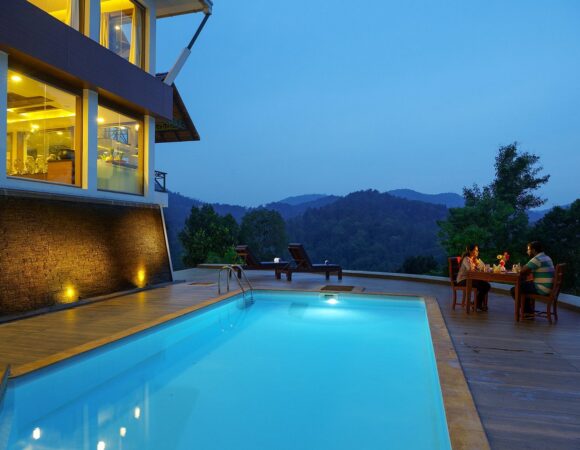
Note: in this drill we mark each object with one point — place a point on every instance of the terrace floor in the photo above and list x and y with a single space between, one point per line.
524 377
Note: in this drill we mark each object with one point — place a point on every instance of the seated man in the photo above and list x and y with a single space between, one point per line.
541 268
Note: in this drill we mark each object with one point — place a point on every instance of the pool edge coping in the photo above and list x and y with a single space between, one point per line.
24 369
4 374
463 422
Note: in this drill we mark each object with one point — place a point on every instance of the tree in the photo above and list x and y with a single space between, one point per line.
489 222
495 216
516 178
205 233
559 231
265 232
419 265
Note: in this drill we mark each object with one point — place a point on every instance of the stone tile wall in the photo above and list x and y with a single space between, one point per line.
55 250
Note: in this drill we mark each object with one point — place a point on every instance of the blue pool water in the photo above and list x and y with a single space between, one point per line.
292 371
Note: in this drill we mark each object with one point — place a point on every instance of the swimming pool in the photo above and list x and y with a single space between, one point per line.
291 371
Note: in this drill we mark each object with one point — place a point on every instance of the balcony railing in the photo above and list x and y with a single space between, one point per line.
160 181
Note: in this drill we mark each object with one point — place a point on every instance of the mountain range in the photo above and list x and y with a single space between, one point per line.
293 208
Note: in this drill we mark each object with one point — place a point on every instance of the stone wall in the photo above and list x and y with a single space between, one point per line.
56 250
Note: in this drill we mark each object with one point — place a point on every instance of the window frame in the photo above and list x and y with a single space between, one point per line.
59 84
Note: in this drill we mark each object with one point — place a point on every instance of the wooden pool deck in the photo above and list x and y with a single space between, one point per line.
524 377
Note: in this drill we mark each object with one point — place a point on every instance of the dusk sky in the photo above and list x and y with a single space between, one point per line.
332 97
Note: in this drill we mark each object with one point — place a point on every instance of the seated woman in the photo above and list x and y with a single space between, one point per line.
470 261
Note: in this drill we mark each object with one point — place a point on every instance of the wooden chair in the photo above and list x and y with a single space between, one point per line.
252 263
454 263
551 300
303 264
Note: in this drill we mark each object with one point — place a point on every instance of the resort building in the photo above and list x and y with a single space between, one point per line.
81 109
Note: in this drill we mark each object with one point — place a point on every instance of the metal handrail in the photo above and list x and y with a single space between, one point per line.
160 178
230 269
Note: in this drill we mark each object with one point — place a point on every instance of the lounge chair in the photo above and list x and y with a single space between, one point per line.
303 264
252 263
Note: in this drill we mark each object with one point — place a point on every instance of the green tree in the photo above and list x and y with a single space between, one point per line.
516 179
265 232
495 216
559 231
206 233
420 265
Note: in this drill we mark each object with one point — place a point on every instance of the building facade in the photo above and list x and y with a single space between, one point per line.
80 215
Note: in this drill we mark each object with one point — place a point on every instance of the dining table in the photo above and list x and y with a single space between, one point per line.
505 277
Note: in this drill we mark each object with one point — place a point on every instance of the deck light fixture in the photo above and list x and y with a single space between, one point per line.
137 413
141 278
70 293
36 433
101 445
122 431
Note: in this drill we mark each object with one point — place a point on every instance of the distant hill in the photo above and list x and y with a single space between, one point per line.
290 210
369 230
299 199
449 199
536 214
363 230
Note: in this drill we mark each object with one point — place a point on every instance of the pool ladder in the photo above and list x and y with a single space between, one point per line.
233 270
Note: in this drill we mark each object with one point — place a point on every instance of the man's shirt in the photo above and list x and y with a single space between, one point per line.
542 269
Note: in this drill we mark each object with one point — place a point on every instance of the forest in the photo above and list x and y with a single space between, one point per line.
373 231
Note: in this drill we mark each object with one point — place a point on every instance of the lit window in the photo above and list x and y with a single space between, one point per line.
43 131
122 29
120 156
66 11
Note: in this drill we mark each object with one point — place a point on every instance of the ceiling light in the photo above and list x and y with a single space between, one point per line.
16 78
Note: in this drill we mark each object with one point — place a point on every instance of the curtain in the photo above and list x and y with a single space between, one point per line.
72 13
136 37
105 30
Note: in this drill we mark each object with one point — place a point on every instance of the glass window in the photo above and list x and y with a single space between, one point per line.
43 131
120 155
122 29
66 11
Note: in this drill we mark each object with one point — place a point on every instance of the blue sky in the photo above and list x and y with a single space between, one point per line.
333 96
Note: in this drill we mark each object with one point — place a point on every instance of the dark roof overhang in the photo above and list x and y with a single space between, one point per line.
168 8
181 127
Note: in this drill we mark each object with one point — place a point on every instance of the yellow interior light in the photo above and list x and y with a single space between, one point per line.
16 78
100 120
